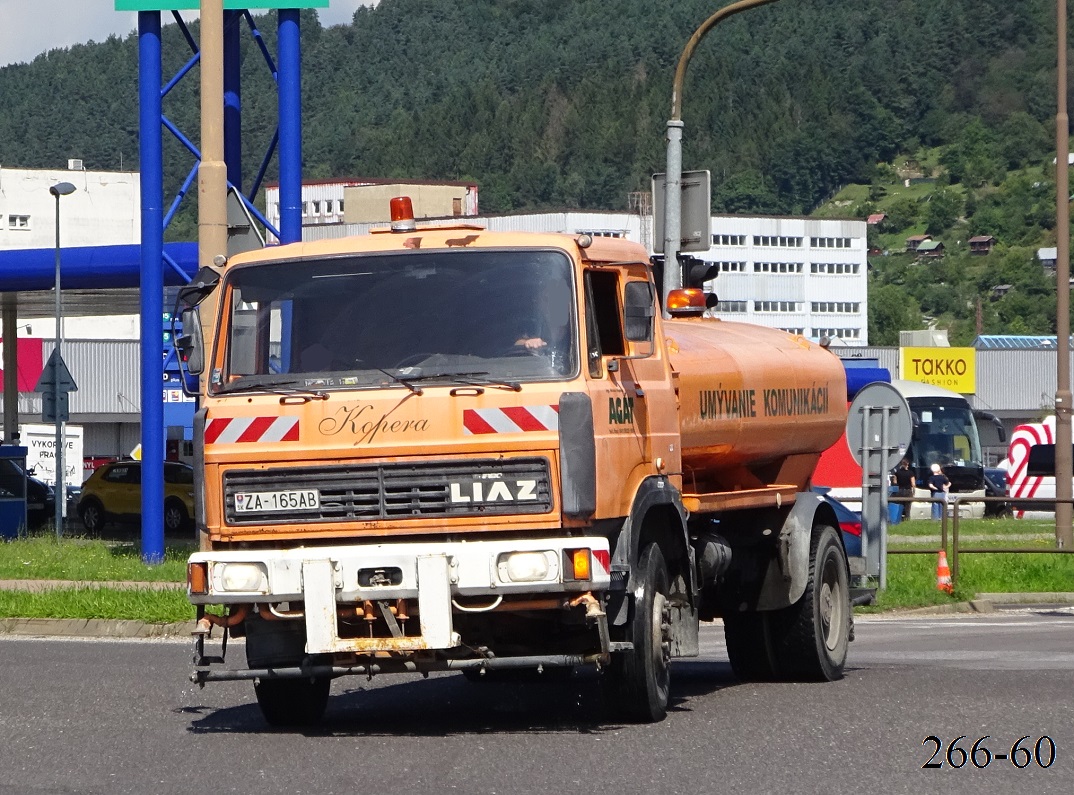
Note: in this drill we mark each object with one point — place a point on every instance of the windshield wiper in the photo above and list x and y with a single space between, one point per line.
474 378
417 390
479 379
287 388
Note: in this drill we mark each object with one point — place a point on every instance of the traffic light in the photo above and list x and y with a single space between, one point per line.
695 272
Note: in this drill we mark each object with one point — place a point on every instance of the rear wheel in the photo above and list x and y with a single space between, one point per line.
749 647
92 515
638 681
806 641
810 637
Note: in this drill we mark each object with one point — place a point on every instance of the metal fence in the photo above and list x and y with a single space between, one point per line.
952 515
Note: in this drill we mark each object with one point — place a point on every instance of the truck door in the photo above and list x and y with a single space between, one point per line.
633 399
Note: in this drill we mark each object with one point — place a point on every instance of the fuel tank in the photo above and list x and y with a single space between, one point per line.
757 406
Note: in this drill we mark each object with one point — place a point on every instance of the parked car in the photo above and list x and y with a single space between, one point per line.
40 497
114 492
996 486
849 525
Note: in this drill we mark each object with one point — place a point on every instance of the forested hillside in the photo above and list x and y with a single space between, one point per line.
563 103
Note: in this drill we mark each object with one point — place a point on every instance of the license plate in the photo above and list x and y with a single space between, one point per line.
276 501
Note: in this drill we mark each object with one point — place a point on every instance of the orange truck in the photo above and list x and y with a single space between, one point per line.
445 448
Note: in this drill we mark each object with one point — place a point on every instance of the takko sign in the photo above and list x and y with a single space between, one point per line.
950 368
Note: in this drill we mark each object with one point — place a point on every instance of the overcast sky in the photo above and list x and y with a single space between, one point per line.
31 27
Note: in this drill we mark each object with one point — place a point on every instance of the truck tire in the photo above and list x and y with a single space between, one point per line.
292 702
284 702
810 638
638 681
749 647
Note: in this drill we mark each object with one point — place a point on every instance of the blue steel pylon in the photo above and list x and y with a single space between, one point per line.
152 123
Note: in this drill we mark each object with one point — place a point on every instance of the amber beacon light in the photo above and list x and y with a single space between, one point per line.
402 210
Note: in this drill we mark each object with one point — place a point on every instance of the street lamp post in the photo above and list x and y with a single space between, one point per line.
58 190
673 172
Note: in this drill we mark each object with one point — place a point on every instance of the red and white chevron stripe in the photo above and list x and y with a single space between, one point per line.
513 419
232 430
1023 438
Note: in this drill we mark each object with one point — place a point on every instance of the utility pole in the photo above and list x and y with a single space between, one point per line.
673 171
1064 458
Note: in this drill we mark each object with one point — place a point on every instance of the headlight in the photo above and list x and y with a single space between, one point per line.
540 566
240 577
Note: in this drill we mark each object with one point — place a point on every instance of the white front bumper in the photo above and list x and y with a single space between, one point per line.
434 574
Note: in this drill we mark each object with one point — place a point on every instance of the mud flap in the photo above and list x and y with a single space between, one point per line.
787 574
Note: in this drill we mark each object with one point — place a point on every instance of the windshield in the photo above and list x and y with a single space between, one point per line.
386 319
946 435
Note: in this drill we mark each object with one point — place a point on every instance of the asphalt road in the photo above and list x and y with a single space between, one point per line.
93 716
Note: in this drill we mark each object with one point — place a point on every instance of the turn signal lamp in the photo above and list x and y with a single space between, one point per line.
687 302
579 564
197 577
402 211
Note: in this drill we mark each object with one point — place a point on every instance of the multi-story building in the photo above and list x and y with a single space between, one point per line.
807 276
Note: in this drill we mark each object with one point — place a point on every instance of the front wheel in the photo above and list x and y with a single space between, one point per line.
175 517
638 681
292 702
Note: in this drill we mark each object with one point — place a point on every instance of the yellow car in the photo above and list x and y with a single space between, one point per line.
114 491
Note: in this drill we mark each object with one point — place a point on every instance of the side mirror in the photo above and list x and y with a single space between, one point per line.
199 288
997 423
191 347
638 312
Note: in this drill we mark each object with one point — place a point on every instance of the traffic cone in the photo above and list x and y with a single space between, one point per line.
943 574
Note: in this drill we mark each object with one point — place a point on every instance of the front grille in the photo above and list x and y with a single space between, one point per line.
482 487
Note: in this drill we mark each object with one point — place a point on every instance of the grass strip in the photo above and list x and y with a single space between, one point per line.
912 578
999 527
44 557
135 604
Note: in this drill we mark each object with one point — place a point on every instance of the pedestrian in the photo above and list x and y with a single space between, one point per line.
939 486
905 482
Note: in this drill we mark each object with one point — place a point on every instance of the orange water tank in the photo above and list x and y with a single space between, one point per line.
757 406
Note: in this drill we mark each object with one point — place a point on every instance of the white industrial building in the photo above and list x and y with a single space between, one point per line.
104 210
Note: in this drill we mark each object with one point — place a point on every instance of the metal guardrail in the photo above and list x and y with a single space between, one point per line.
954 550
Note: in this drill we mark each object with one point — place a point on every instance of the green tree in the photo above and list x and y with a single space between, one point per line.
891 310
942 210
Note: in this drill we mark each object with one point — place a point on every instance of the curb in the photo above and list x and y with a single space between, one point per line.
1045 598
92 628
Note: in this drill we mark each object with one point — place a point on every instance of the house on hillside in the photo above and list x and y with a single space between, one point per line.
913 243
982 244
876 218
1048 256
930 249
